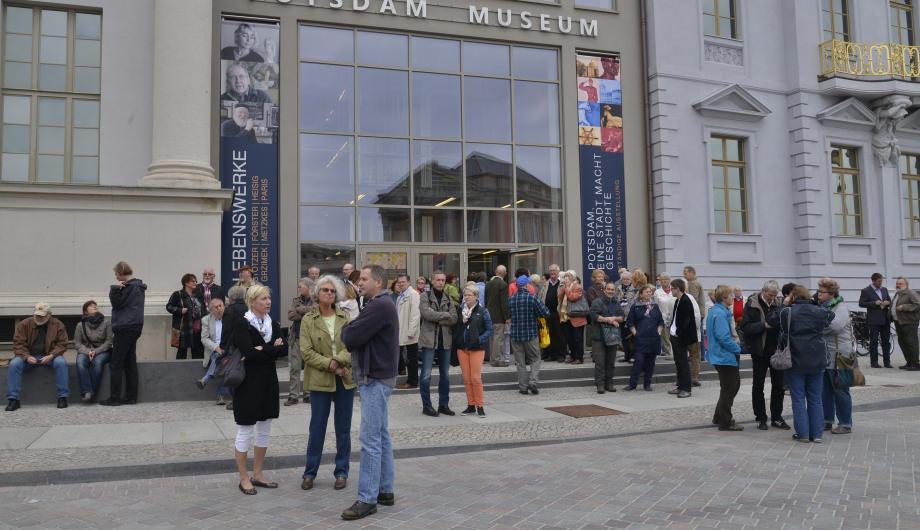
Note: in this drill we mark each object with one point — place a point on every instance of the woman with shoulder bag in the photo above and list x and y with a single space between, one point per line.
471 334
577 309
255 400
186 312
606 315
802 324
838 373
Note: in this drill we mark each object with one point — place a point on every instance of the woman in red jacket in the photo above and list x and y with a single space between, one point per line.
738 305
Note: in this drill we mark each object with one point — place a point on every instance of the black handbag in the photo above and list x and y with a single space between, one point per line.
231 368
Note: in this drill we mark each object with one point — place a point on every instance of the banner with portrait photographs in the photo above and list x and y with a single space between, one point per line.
600 153
249 121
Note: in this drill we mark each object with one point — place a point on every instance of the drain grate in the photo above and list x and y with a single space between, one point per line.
586 411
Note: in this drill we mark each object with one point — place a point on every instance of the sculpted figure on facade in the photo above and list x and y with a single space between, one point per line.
888 112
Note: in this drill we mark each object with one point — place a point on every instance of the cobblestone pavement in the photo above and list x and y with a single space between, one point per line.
688 479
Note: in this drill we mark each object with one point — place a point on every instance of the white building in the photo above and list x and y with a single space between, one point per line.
772 130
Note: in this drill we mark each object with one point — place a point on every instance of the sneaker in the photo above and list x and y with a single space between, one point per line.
221 401
445 410
600 389
534 390
732 427
798 438
481 412
523 391
780 424
818 440
468 410
12 405
696 383
87 397
647 388
674 391
762 426
230 405
359 510
291 401
840 429
200 383
610 388
629 388
683 394
428 411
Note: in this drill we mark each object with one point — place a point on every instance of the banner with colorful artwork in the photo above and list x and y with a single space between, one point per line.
600 153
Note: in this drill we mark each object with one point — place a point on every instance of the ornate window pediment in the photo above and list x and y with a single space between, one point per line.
849 112
911 123
732 102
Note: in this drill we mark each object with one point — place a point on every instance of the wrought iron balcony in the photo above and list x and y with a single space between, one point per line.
860 60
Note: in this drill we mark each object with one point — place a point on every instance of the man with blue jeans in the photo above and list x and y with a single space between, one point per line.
439 315
373 340
40 340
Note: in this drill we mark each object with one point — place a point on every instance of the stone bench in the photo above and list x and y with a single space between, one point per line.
157 381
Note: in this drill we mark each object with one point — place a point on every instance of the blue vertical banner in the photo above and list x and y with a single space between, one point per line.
249 122
601 164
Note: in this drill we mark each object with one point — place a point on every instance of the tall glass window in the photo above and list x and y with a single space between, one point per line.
720 18
835 19
729 193
847 203
910 193
901 21
52 60
406 138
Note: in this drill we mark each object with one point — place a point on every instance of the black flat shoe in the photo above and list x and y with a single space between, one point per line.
260 484
445 410
62 403
386 499
111 402
12 405
762 426
780 424
250 491
359 510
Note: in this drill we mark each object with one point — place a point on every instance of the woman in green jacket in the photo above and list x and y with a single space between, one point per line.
327 376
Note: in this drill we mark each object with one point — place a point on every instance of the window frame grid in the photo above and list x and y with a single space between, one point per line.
911 213
838 197
35 93
895 9
732 18
836 33
462 140
724 164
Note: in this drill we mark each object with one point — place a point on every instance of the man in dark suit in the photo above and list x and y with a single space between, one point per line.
875 300
683 334
497 304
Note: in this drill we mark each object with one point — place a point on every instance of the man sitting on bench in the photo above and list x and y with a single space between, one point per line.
40 340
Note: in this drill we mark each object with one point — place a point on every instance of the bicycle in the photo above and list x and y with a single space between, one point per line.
860 333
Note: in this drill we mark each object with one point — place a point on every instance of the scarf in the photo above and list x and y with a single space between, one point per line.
830 304
94 320
468 311
647 304
263 325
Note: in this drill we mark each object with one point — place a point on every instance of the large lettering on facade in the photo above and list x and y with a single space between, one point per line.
600 154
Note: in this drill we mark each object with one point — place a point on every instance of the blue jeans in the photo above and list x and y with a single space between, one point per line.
18 366
424 384
836 400
807 409
212 367
90 372
320 403
377 470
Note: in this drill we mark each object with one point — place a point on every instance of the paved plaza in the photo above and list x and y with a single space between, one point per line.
696 478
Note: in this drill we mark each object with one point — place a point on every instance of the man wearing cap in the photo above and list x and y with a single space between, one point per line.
246 280
40 340
525 308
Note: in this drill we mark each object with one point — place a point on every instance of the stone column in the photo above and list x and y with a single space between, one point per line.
182 99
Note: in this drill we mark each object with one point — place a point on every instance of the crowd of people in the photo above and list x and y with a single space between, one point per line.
351 331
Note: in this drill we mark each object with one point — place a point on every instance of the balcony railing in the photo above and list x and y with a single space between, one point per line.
858 59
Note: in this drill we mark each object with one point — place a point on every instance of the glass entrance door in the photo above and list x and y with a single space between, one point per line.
417 261
452 261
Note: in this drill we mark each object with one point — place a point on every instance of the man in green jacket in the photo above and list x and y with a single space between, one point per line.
905 312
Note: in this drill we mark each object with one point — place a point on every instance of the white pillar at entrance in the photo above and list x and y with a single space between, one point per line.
181 150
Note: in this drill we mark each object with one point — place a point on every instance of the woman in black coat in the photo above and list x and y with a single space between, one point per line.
255 401
186 311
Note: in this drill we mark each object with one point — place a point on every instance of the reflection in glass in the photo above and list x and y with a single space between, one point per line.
383 49
490 226
327 102
326 168
436 105
535 63
327 223
326 44
536 115
50 168
329 258
539 177
383 224
383 102
437 173
553 255
481 58
439 226
435 54
488 175
383 171
446 262
539 227
487 109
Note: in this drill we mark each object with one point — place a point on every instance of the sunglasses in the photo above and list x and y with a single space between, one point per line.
327 290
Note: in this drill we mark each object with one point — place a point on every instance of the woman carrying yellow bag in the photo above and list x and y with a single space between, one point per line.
543 333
